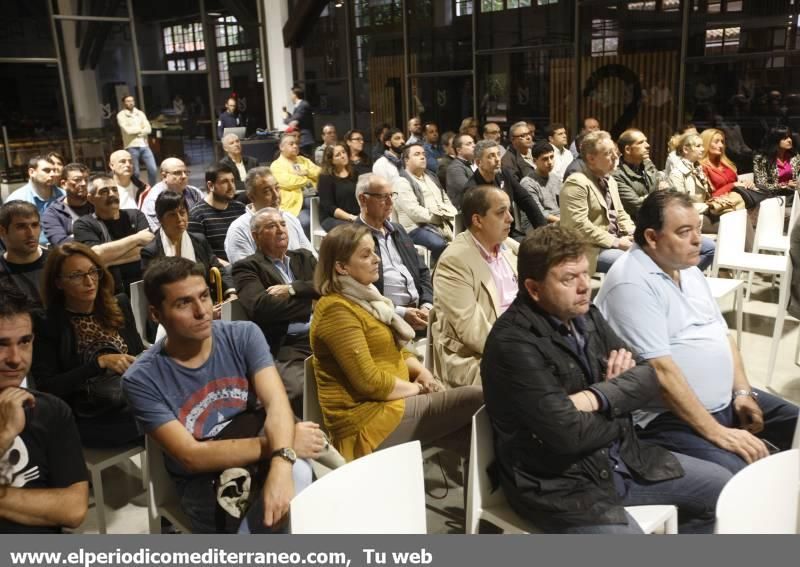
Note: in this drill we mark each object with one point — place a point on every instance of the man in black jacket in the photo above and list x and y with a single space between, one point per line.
404 277
560 387
238 162
517 162
275 287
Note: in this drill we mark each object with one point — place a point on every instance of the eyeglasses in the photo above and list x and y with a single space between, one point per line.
383 196
356 139
523 135
179 173
95 275
492 131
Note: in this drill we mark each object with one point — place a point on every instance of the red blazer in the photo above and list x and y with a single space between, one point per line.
722 179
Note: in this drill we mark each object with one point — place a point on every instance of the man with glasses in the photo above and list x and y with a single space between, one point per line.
174 177
58 218
40 190
22 262
135 129
262 191
116 235
404 277
517 163
493 133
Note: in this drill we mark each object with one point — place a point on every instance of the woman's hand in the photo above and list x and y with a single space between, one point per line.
427 382
117 363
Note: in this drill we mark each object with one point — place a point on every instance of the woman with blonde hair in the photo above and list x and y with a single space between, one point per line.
85 341
373 391
719 169
687 176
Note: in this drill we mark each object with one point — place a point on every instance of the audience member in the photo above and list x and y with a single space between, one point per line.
469 126
543 185
423 207
658 301
174 177
589 125
229 118
22 263
218 210
461 168
380 135
373 392
174 239
135 129
415 132
43 480
560 387
328 139
389 164
636 176
57 219
404 278
337 188
673 157
201 393
263 191
433 151
40 190
120 165
359 160
493 133
238 162
85 340
557 136
719 169
517 163
302 119
590 203
115 235
297 177
474 282
448 154
58 166
777 166
283 311
688 175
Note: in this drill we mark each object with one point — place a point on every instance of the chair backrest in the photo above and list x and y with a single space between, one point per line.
795 211
311 408
796 439
730 237
424 254
762 498
381 493
317 232
233 311
771 215
480 493
162 494
139 307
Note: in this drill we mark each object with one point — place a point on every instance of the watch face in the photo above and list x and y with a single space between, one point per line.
291 454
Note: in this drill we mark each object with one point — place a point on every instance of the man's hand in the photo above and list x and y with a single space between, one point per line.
144 237
427 381
12 414
417 318
741 442
309 441
118 363
619 361
278 492
280 291
624 243
749 413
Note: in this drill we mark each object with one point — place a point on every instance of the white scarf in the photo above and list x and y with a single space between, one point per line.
380 307
187 250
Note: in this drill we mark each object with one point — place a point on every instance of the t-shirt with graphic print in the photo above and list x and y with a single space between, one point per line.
204 399
47 454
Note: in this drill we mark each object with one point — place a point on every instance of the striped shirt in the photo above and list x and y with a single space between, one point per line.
213 223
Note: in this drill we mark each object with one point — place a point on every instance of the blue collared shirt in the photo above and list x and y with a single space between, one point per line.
28 194
285 271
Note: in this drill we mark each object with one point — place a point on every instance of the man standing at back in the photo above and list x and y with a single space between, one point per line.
135 128
303 120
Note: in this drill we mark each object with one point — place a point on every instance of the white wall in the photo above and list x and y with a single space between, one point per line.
279 59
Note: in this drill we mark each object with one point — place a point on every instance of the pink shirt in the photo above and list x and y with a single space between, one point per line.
505 281
784 171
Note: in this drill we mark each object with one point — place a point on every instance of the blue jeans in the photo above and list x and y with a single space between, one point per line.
695 494
606 259
146 154
305 216
707 249
430 240
671 432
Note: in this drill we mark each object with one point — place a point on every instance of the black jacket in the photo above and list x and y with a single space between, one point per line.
254 274
553 460
57 365
458 175
249 163
514 165
517 195
420 273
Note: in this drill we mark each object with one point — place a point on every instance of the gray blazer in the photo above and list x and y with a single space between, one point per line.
459 173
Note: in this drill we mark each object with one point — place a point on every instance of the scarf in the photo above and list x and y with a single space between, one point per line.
380 307
186 251
390 155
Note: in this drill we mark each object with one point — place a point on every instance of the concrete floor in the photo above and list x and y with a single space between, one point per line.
125 511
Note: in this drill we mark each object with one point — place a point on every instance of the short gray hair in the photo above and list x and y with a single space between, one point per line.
258 218
365 183
228 138
515 125
484 145
592 140
256 173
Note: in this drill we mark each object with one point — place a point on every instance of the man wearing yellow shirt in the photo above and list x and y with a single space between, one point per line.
297 177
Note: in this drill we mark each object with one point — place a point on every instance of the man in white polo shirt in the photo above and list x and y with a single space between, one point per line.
658 301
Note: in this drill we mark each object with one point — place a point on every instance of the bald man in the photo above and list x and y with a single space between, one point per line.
121 166
174 177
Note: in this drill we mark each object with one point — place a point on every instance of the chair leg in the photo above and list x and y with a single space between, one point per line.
778 331
797 350
738 305
99 499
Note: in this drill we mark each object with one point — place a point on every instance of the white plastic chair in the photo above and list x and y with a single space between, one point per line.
98 460
140 311
483 504
720 289
317 232
424 254
311 408
769 234
730 254
762 498
380 493
162 498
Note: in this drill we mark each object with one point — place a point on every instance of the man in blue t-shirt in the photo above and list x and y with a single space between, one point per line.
201 378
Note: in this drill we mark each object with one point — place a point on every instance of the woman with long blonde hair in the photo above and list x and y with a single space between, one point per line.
719 169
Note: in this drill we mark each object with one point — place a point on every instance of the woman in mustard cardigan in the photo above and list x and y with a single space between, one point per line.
373 392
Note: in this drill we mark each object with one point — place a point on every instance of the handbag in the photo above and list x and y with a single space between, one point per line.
102 394
731 202
752 197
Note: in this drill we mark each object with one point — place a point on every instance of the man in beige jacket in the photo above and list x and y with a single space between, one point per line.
590 203
474 282
135 127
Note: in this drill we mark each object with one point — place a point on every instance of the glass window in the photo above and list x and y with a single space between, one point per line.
25 30
438 41
168 31
444 100
538 23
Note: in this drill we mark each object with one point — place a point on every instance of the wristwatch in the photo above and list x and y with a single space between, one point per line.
748 393
287 454
292 291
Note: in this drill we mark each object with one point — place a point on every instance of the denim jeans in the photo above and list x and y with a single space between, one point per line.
695 494
430 240
707 249
146 154
305 216
606 259
671 432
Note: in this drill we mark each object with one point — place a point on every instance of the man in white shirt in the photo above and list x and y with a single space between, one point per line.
121 165
135 128
557 136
